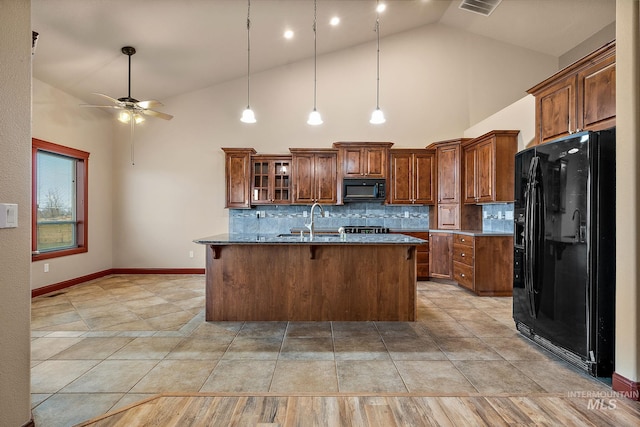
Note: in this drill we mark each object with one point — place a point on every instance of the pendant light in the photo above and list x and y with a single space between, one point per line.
314 117
247 114
377 117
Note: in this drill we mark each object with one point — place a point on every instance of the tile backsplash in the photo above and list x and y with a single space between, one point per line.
497 218
281 219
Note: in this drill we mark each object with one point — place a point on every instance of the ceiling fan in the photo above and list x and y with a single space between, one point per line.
132 110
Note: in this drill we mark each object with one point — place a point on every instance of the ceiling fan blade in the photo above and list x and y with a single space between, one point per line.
117 107
115 101
150 103
157 114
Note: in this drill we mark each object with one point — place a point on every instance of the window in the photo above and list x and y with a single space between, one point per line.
59 200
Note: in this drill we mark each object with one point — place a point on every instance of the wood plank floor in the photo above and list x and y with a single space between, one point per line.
195 410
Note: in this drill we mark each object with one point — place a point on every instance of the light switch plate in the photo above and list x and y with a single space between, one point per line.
8 215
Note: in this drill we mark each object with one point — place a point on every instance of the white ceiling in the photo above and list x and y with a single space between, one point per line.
187 45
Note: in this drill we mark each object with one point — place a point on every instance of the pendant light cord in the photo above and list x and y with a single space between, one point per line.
378 59
315 52
248 48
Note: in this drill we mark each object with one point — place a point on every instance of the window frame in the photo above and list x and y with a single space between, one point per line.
82 197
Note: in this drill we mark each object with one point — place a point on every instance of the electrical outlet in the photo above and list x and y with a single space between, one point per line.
304 214
262 214
508 215
485 214
499 214
406 214
326 214
190 254
46 267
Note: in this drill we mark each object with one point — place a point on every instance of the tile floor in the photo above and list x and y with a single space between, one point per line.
113 341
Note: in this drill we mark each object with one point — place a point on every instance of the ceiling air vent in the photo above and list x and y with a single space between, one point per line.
483 7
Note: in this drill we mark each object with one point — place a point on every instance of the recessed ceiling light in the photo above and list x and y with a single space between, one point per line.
288 34
381 7
334 21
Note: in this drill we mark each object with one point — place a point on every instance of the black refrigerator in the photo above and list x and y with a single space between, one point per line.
564 248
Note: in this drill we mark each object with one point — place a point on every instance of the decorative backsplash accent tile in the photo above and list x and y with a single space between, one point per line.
497 218
281 219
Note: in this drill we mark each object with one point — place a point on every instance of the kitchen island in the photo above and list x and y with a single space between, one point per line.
361 277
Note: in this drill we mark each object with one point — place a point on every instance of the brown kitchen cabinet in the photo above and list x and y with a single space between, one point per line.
484 264
411 179
314 175
440 252
270 180
422 254
449 212
489 167
579 97
237 169
363 159
448 157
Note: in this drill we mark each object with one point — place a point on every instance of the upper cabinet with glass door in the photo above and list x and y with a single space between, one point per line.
270 180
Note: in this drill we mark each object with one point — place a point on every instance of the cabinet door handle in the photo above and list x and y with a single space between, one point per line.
462 239
462 275
462 255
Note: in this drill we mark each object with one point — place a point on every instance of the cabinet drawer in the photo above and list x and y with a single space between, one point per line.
463 254
463 239
463 274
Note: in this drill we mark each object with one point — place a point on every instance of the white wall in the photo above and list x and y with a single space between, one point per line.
594 42
15 187
434 82
520 115
628 190
58 118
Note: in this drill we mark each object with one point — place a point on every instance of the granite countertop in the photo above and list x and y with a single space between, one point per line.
473 232
294 239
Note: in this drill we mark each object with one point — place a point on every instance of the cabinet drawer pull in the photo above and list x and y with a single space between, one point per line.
462 254
462 275
462 239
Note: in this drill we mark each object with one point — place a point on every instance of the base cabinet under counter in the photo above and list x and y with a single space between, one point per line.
484 264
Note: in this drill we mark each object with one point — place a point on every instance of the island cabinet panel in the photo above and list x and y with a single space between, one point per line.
314 175
579 97
411 177
489 164
238 177
344 282
440 255
271 180
363 159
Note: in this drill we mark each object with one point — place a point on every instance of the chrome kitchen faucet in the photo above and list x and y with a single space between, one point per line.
310 226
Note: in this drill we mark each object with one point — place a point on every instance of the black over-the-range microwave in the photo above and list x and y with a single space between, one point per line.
363 190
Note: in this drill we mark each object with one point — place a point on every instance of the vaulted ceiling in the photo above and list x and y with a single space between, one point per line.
187 45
